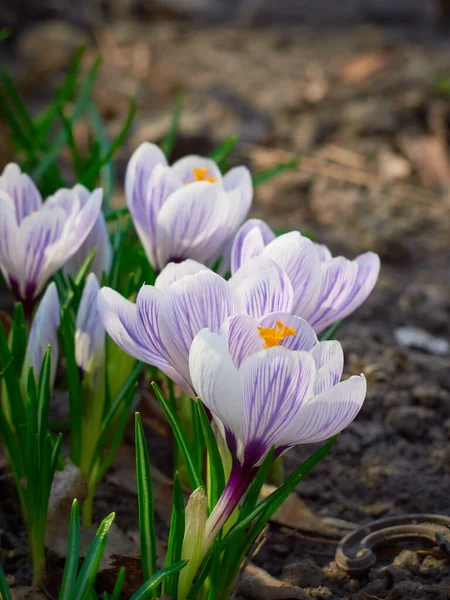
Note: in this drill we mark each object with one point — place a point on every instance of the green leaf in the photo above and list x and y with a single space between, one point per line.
90 176
22 113
169 141
80 106
4 34
150 586
216 477
194 475
74 384
331 332
175 541
88 571
117 591
73 555
12 382
107 173
222 152
145 503
268 174
5 594
19 337
76 285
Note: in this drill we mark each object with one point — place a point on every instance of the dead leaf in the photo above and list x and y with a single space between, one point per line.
257 584
294 513
429 156
366 65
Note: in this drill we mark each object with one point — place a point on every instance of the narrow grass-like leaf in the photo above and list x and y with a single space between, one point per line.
223 151
19 337
80 106
331 332
4 34
77 159
175 541
268 174
76 285
150 586
145 503
169 141
117 591
5 594
27 124
43 396
74 384
107 173
194 475
73 555
216 477
88 571
11 378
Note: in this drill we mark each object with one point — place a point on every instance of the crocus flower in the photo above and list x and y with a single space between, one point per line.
187 210
326 289
269 382
89 329
37 238
44 333
187 297
98 238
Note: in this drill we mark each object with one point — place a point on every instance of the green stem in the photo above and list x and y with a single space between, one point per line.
276 472
37 548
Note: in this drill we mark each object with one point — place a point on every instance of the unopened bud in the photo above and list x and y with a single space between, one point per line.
193 541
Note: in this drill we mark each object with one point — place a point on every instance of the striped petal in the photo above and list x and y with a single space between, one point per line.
298 258
263 288
193 223
216 380
191 304
242 335
345 286
11 247
250 241
276 383
328 413
238 184
89 330
175 271
329 358
44 332
22 190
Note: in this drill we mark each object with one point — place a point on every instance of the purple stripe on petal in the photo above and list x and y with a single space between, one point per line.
264 290
11 246
345 286
328 413
276 383
250 241
22 190
299 259
175 271
191 304
242 335
216 380
193 223
329 359
44 332
89 331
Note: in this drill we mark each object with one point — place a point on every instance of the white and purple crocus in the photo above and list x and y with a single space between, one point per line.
159 328
326 289
187 210
269 383
37 238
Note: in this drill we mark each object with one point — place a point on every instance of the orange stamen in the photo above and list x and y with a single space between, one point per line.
273 336
200 174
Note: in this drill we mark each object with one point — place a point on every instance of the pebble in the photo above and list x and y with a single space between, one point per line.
411 422
303 574
431 396
407 559
413 337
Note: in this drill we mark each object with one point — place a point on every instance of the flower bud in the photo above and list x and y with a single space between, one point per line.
193 542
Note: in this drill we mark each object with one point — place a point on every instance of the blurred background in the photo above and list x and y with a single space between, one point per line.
358 89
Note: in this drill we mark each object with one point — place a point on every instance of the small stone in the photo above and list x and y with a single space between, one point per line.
321 593
377 588
397 398
433 567
411 422
431 396
446 427
407 559
281 549
303 574
413 337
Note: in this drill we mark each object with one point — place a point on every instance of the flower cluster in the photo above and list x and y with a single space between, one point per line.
232 318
